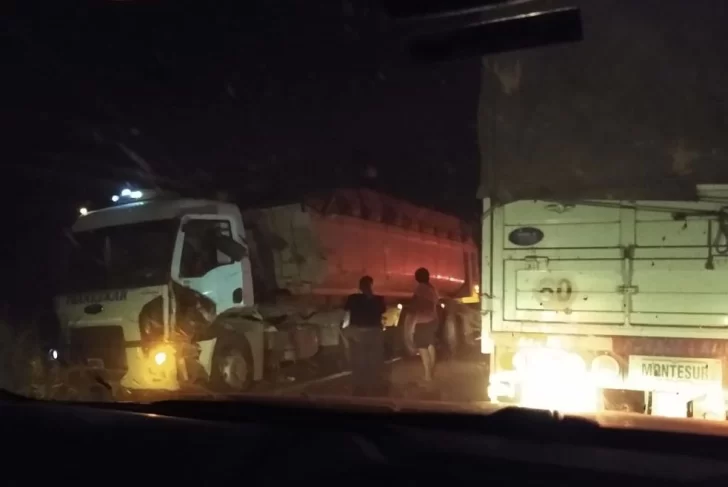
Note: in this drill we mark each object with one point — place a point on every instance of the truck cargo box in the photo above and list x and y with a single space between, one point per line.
637 268
325 243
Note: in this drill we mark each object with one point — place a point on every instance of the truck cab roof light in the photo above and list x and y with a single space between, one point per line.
128 194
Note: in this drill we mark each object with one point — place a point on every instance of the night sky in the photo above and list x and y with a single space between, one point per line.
271 100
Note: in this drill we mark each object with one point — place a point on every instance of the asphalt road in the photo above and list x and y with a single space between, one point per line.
462 379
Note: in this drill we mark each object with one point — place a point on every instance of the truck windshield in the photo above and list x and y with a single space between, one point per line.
134 255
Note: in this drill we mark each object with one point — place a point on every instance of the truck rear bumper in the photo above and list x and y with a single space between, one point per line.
660 376
589 395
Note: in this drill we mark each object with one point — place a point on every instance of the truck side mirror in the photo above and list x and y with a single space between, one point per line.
231 248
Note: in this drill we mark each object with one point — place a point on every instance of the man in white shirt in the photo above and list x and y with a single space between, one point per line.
424 307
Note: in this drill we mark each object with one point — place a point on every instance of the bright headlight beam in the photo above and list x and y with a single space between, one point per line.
160 358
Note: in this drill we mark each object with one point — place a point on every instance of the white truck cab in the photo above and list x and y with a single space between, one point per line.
150 283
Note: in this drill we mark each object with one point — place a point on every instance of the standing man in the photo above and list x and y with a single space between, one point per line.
363 332
424 305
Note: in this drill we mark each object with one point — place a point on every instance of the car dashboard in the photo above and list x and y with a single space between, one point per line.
278 444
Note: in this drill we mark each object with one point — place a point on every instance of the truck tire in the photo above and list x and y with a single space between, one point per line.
232 364
406 333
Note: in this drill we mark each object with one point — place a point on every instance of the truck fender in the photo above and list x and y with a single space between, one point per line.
252 330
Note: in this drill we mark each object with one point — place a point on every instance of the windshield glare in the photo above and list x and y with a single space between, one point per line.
532 225
133 255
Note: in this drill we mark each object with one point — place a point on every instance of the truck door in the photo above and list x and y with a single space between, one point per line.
557 267
594 268
199 264
679 270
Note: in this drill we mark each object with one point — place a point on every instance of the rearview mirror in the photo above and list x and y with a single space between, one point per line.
499 34
231 248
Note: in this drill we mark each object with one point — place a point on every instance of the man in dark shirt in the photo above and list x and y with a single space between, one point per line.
364 334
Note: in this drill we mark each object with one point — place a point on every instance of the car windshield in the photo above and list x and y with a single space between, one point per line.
124 256
507 203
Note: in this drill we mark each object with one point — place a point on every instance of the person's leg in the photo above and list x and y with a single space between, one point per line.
431 354
429 330
343 336
357 357
426 363
421 343
380 386
371 360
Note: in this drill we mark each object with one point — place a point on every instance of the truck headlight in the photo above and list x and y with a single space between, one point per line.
160 357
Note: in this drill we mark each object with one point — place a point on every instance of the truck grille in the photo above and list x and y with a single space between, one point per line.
104 343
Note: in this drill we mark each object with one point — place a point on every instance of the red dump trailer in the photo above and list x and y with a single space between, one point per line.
320 247
316 250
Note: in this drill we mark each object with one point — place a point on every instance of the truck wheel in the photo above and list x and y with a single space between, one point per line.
405 326
232 365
